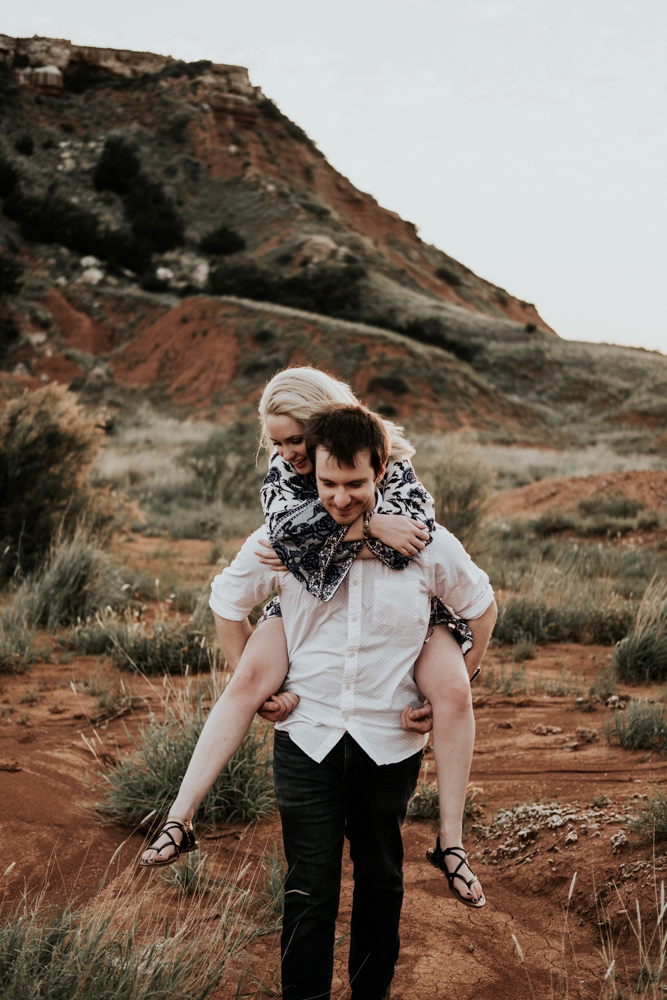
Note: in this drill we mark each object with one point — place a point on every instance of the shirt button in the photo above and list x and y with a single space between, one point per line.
354 619
351 654
347 687
355 582
345 718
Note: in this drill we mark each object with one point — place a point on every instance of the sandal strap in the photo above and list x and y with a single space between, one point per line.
454 851
165 832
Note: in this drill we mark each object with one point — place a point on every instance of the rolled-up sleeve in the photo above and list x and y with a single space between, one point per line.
236 591
455 578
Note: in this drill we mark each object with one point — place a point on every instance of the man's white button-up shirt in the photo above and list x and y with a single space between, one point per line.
351 660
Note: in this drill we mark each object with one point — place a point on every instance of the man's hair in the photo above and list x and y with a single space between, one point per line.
345 431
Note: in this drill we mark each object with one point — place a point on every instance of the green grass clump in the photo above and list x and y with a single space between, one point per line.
148 779
524 649
425 803
17 652
508 684
641 657
651 821
642 726
585 621
77 580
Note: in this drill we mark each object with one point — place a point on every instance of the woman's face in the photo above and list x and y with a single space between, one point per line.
287 436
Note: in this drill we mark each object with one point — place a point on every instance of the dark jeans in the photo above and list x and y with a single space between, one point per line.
347 795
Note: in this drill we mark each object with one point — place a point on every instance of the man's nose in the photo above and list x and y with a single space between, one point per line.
341 498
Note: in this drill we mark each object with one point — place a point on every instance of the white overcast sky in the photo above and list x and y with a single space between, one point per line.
526 138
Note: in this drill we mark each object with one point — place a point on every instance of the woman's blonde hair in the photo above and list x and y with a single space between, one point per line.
300 393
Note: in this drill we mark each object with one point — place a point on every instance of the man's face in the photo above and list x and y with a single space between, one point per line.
346 492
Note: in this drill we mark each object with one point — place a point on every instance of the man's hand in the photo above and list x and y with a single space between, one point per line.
279 706
270 558
418 720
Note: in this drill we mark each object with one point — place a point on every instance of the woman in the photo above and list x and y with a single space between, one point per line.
307 542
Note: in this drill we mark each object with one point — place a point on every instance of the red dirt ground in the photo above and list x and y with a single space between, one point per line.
447 950
649 487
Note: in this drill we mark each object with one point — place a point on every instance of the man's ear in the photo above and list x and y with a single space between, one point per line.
381 473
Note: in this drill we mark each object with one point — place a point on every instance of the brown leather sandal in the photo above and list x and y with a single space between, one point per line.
187 844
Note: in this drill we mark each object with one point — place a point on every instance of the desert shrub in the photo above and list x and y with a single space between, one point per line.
615 505
25 145
605 683
94 952
585 621
641 657
54 219
514 682
10 274
47 448
461 489
425 803
165 648
391 382
225 464
651 820
148 779
431 330
222 241
152 215
524 648
76 580
271 110
17 637
117 167
449 275
642 726
551 523
326 289
9 177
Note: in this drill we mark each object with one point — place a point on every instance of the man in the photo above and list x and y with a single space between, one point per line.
343 766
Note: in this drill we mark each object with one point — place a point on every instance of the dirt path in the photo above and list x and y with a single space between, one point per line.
46 749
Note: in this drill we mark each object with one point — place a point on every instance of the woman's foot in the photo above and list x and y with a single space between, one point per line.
461 879
175 838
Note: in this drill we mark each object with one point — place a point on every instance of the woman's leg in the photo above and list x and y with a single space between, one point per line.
259 674
441 676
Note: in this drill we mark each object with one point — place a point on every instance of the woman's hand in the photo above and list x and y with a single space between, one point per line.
401 533
270 557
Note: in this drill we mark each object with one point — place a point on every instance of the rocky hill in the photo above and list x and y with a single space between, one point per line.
149 206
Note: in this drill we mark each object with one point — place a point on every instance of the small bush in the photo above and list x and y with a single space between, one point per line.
449 276
225 464
651 821
641 657
16 639
149 778
272 894
152 215
117 167
432 331
47 448
616 505
641 726
10 274
54 219
76 580
524 649
461 489
326 289
25 145
551 523
9 177
391 382
222 241
425 803
508 684
605 683
586 622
